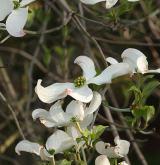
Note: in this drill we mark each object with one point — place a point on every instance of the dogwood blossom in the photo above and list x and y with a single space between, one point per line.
79 90
76 110
17 13
136 60
120 150
109 3
56 143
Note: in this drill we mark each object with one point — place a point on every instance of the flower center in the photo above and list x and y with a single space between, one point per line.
80 81
16 4
73 120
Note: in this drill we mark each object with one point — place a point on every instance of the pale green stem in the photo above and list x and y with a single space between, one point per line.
119 110
84 156
79 128
53 161
115 162
81 131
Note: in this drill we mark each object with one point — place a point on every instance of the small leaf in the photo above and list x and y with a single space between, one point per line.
145 112
137 94
149 88
135 90
86 133
149 113
97 131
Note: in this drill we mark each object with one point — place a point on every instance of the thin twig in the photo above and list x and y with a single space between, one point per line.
13 113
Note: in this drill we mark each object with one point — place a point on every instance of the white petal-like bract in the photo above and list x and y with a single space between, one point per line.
123 146
136 60
76 110
153 71
111 60
87 121
28 146
52 92
83 94
102 160
55 117
6 7
120 150
87 66
110 3
59 141
26 2
16 22
58 91
44 116
111 72
100 147
73 132
58 115
94 104
91 2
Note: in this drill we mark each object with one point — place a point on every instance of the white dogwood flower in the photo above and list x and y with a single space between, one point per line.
109 3
135 59
102 160
79 90
120 150
17 13
75 111
56 143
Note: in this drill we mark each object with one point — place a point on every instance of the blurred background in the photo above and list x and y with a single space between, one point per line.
57 32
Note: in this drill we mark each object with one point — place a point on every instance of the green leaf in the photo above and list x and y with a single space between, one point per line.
97 131
86 133
145 112
149 88
137 94
149 113
146 78
117 11
137 112
135 90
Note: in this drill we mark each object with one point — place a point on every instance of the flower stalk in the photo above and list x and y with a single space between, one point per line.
53 161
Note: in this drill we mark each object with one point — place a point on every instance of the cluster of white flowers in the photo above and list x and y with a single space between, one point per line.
78 110
109 3
78 114
16 13
120 150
